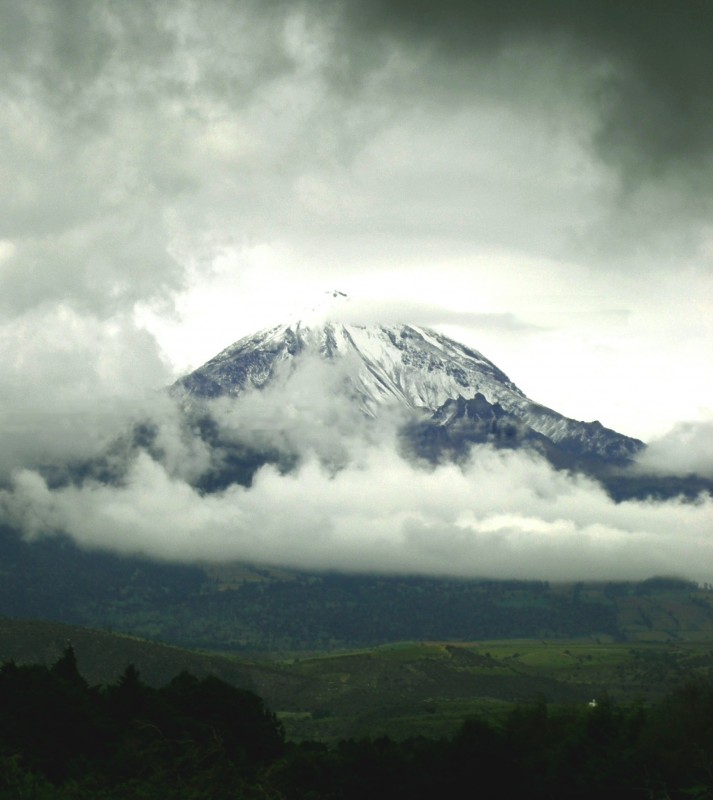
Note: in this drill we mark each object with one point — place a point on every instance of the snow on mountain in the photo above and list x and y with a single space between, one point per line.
406 365
394 363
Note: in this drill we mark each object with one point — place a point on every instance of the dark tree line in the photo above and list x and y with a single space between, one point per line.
61 739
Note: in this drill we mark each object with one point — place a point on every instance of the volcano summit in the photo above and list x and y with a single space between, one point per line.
451 395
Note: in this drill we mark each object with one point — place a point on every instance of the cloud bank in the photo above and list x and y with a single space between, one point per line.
71 383
354 503
686 449
504 515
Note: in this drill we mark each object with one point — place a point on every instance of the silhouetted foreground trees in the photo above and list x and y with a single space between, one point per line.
61 739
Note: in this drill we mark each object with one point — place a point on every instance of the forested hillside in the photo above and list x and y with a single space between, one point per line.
61 739
243 608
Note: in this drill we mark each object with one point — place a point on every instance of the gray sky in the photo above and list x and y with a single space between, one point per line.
539 174
535 179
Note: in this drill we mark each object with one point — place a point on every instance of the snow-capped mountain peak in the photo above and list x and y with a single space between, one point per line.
410 365
407 366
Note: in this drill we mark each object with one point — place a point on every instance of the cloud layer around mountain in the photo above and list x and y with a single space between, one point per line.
500 516
685 450
354 503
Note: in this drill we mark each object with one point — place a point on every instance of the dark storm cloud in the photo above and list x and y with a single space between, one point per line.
653 59
136 132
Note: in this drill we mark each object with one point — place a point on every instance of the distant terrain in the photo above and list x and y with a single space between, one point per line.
244 609
401 689
343 655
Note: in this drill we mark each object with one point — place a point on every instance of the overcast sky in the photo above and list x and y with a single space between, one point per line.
533 178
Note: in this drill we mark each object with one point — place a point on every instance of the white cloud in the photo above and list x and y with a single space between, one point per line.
71 383
686 449
505 514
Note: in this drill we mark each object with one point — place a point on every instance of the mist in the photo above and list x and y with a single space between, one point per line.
352 501
687 449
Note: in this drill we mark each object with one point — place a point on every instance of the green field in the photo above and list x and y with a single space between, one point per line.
430 688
